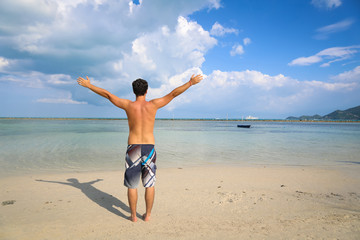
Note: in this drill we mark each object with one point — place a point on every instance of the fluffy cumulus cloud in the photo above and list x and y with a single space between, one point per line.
165 52
49 43
85 28
334 54
268 94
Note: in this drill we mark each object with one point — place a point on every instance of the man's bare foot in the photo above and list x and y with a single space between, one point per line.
133 218
146 217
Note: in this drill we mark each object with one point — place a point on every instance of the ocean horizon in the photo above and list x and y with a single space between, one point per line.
184 119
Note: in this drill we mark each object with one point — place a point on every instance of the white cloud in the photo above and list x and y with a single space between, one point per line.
59 79
215 4
338 51
324 32
335 53
59 100
349 76
332 86
237 49
35 79
89 29
326 4
3 63
247 90
249 78
112 41
165 52
218 30
304 61
246 41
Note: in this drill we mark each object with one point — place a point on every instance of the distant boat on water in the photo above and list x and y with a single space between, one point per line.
244 125
251 118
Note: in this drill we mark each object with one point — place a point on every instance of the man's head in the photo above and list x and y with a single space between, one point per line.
140 87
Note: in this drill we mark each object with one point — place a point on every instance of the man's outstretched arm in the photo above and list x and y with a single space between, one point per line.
161 102
119 102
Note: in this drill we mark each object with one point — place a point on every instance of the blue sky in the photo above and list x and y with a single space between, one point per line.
268 59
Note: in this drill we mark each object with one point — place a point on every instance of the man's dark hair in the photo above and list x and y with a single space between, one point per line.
140 86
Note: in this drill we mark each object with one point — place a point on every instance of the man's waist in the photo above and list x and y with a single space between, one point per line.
141 140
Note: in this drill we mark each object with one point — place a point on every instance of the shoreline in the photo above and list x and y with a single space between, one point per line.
206 202
350 169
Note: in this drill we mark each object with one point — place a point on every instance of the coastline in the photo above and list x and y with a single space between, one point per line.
212 202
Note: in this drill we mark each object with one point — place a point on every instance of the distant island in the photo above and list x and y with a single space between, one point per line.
349 114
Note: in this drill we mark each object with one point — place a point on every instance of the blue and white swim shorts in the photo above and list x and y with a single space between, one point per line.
140 161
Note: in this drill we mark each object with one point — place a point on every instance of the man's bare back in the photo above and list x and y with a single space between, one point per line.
141 120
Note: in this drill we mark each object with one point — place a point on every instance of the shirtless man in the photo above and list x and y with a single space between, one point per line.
140 154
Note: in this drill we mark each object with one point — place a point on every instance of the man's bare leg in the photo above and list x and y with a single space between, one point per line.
149 200
132 197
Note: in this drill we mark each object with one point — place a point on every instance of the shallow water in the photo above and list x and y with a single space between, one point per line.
87 145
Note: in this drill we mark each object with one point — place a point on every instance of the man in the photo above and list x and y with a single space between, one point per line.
140 154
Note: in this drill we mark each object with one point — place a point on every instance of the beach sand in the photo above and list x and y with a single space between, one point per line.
215 202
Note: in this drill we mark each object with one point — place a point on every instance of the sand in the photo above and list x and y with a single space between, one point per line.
215 202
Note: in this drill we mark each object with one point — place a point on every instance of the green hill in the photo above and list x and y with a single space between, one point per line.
349 114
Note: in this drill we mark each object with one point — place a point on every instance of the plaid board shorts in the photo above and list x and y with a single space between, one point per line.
140 161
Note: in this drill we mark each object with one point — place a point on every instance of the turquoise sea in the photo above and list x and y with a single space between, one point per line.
31 146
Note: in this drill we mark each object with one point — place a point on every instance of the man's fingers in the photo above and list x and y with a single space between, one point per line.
80 81
198 77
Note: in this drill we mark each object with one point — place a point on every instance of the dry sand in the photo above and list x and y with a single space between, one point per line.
191 203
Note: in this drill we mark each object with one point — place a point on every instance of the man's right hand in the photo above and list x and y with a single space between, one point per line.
84 82
196 79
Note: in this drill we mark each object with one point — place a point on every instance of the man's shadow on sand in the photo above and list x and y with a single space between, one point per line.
105 200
